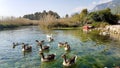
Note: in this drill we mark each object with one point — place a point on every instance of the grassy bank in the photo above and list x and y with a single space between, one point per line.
63 23
66 28
96 19
16 22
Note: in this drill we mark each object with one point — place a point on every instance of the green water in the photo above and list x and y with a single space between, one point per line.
92 50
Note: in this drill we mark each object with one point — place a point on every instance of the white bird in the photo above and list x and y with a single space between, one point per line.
50 37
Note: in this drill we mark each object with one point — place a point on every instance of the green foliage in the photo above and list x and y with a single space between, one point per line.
51 19
75 17
104 16
96 19
66 16
41 15
83 15
99 24
80 18
118 16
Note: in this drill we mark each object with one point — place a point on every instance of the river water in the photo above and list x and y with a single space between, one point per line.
92 51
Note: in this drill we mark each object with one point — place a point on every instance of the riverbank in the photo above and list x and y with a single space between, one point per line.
4 27
114 31
67 28
17 22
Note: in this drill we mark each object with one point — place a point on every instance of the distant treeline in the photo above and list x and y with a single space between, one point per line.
51 19
99 18
41 15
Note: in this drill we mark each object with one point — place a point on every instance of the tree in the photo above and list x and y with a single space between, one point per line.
83 15
80 18
39 15
66 16
104 16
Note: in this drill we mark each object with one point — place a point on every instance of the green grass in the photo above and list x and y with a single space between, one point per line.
66 28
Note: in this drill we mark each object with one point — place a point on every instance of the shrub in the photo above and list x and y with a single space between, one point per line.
99 24
104 16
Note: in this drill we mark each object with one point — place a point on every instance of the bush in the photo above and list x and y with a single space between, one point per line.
104 16
99 24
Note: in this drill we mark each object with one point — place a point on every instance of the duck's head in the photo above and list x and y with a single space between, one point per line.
41 52
23 46
63 56
36 40
13 43
66 42
43 41
66 45
23 43
59 42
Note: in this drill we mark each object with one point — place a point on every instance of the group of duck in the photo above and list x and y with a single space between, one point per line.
49 57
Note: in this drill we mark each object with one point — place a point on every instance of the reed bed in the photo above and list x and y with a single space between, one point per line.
16 22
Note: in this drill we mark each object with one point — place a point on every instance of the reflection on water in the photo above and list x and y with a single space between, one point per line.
93 51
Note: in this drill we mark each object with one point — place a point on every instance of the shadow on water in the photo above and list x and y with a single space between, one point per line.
93 51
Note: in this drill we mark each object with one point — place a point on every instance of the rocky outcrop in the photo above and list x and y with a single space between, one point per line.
115 29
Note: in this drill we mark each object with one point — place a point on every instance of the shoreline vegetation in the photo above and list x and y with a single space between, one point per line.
51 20
11 22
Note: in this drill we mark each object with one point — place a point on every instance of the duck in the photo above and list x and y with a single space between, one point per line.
40 42
70 61
47 58
48 36
46 47
66 47
60 44
25 47
15 44
50 39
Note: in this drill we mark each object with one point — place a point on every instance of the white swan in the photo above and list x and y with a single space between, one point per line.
50 37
